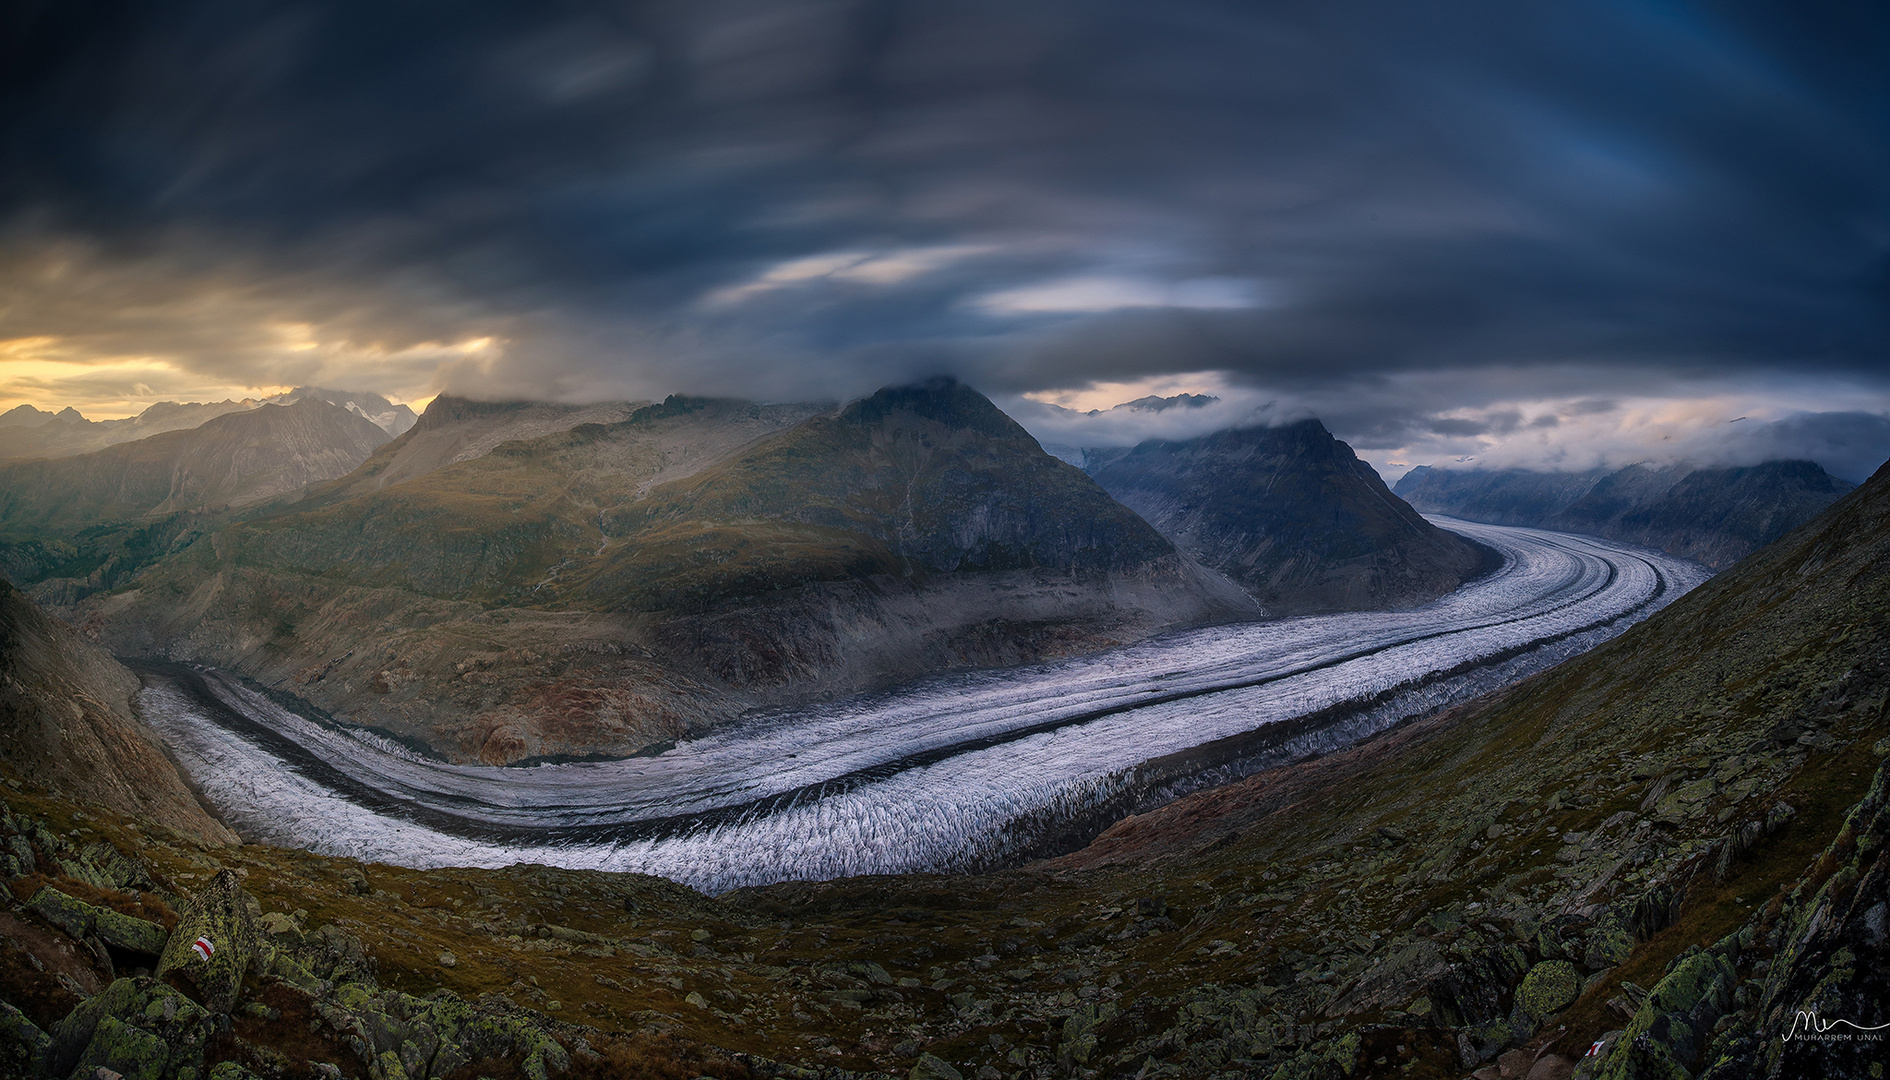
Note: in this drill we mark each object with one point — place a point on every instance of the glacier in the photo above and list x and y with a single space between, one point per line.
953 773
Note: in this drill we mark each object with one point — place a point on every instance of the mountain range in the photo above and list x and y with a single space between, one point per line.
29 432
1716 516
1668 857
231 460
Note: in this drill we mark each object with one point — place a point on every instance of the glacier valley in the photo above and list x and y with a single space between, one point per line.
954 773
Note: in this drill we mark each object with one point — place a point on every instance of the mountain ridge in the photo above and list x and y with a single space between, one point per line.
230 460
1715 516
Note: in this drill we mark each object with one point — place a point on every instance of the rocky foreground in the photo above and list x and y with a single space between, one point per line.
1671 850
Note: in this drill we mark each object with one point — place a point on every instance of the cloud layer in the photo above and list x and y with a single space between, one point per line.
1413 220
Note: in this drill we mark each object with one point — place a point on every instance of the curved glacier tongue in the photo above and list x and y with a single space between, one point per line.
957 772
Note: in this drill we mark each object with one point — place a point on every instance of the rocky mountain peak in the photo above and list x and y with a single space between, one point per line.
942 400
1290 513
24 416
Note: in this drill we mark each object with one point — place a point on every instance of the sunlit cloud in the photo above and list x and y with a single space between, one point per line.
848 267
1102 294
1106 395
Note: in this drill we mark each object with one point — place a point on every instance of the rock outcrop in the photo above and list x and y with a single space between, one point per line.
1714 516
1292 515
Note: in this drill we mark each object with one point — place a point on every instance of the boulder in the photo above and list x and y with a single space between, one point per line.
135 1027
934 1068
22 1044
1550 987
220 914
82 920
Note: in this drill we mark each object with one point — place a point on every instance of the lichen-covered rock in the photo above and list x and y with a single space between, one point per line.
23 1045
1550 987
1219 1024
1674 1024
81 920
68 914
220 914
1079 1034
133 1027
931 1067
1478 1043
430 1037
1322 1061
1611 941
130 1052
1834 963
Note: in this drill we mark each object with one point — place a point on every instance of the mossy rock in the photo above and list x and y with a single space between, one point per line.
1550 987
22 1044
221 915
125 1025
130 1052
80 919
934 1068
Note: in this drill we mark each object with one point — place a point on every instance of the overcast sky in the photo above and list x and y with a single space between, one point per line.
1513 233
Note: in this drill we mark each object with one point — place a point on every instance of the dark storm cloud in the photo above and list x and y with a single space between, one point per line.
814 197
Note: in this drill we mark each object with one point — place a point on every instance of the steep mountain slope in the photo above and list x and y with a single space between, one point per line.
614 586
231 460
1714 516
66 723
26 432
1291 514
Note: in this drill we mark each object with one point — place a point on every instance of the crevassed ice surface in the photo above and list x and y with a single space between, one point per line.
954 772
